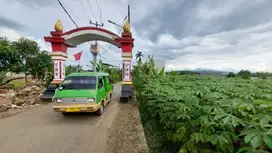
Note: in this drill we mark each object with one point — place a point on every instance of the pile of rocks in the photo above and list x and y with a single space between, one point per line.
22 98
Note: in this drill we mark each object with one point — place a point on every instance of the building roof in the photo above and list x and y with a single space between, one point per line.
108 64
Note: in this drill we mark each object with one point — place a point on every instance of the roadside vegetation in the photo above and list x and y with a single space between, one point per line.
197 114
24 56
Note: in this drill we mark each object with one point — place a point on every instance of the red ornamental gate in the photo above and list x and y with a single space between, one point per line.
60 41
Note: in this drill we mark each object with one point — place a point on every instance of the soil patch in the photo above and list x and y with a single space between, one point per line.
127 135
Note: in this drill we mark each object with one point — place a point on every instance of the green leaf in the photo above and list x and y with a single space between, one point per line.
265 120
182 151
249 137
269 131
226 119
234 121
219 116
268 140
256 141
246 150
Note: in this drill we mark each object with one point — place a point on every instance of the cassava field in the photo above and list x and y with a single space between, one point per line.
192 114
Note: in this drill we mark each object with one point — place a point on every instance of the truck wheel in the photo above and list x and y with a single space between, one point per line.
65 114
110 97
100 111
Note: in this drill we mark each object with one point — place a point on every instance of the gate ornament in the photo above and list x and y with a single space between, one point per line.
126 27
58 26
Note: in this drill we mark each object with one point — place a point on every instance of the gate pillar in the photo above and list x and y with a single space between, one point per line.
126 43
59 52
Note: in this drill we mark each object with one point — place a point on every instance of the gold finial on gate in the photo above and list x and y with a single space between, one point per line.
126 27
58 26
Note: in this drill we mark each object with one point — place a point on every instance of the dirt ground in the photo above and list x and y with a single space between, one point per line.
41 130
127 135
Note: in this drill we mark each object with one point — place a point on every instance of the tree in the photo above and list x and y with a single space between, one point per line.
4 41
147 68
8 56
115 74
24 56
39 64
244 74
262 75
230 75
139 55
69 69
26 49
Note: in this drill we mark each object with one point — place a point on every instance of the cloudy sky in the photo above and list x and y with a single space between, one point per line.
188 34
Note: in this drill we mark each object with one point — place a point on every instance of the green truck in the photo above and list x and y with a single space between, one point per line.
83 92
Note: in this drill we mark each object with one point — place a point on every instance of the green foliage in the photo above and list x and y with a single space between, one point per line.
26 50
207 114
99 66
9 57
244 74
2 76
69 69
40 63
17 84
25 56
182 72
115 74
262 75
230 75
147 68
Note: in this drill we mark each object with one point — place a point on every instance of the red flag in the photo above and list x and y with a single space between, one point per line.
77 56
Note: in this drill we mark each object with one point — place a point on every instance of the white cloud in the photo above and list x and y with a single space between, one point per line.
247 48
240 49
14 35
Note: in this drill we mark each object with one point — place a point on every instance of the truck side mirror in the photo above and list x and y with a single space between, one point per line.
60 87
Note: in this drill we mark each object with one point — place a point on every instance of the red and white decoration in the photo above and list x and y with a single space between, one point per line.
60 41
127 71
77 56
59 68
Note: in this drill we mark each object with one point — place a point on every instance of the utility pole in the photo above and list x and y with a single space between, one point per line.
94 48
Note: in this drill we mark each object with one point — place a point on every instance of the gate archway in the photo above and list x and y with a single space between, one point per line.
60 41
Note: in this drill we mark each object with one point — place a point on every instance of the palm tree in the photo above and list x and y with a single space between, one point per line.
139 55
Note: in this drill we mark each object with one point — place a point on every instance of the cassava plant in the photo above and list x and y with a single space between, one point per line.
206 114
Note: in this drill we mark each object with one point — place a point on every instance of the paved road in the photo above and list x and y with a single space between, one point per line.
40 130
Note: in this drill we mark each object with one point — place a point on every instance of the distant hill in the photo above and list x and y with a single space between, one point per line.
204 72
207 72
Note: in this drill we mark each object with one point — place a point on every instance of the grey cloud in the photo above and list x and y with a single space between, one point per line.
12 24
245 16
179 19
166 53
31 3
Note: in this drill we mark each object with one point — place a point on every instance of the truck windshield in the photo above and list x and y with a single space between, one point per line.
79 82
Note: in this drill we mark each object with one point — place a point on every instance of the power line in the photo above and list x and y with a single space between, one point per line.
67 13
91 9
97 6
100 15
106 50
84 9
118 34
73 20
